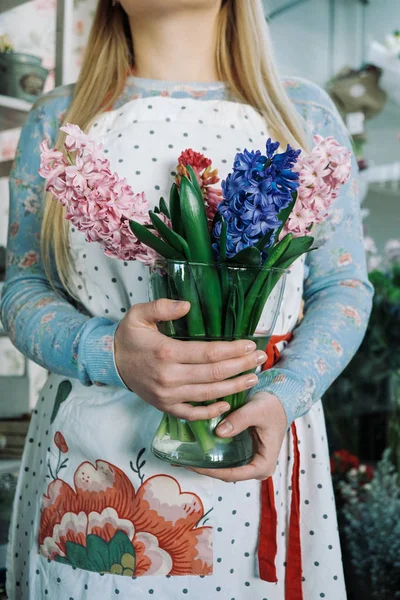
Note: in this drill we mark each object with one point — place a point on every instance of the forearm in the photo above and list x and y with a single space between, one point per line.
323 344
42 322
53 333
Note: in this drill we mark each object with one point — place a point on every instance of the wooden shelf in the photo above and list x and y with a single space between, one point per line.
5 167
383 173
10 4
9 465
383 179
15 103
3 556
389 188
280 10
13 112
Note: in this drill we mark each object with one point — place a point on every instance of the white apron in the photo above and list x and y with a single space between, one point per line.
87 472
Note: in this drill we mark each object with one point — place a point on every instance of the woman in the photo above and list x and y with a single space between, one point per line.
96 515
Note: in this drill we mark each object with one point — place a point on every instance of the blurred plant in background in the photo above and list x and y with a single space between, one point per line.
345 465
363 404
363 416
378 349
371 525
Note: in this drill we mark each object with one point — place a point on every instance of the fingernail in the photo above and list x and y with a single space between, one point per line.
224 407
179 304
224 428
260 358
251 381
251 346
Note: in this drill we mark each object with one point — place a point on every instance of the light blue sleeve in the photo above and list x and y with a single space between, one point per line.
337 293
45 324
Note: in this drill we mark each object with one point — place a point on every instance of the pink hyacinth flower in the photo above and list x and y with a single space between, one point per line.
98 202
321 173
76 139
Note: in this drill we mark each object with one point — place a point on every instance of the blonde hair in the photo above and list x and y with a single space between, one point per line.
244 61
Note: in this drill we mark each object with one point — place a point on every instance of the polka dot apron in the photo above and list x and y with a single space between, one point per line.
96 515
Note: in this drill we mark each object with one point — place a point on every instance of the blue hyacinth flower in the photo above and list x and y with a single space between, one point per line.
254 193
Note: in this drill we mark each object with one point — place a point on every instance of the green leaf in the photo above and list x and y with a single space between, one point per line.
171 238
260 302
182 286
156 210
296 248
76 554
198 238
119 545
223 268
252 300
264 240
239 306
248 256
195 182
62 559
175 210
164 208
284 215
97 552
230 315
278 250
222 240
63 391
148 238
194 219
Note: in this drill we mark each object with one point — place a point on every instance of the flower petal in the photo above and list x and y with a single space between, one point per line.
50 549
73 528
58 500
162 496
150 558
103 486
171 515
107 523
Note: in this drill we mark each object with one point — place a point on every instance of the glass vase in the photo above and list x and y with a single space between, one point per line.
227 302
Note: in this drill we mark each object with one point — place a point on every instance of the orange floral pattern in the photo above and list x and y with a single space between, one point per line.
159 520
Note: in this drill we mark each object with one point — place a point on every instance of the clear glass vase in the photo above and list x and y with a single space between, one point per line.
228 302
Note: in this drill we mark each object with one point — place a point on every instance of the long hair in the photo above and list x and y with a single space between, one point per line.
244 61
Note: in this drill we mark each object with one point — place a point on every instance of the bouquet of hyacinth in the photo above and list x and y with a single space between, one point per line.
245 234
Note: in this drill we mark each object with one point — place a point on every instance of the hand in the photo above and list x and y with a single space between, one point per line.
169 373
265 414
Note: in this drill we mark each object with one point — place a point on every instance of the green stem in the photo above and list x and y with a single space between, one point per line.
265 293
173 428
163 427
206 439
186 289
184 432
260 281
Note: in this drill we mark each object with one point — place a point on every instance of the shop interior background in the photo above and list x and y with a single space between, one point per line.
333 43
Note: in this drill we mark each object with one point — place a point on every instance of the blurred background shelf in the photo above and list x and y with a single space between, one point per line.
383 179
9 465
383 173
5 167
3 555
275 9
9 4
13 112
15 103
